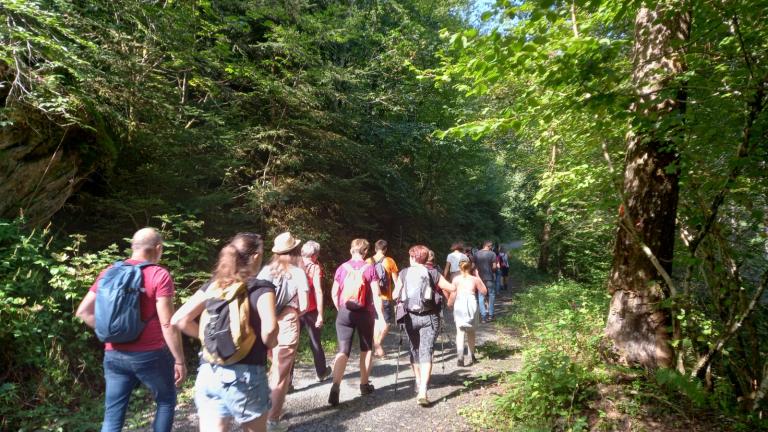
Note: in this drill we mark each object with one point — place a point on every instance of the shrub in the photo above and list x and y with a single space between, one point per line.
53 362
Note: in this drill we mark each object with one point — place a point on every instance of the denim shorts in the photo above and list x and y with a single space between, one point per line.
239 391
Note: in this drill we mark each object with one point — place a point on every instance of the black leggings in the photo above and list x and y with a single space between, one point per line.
308 321
422 333
346 323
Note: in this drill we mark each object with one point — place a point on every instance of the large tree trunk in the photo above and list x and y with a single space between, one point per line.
637 326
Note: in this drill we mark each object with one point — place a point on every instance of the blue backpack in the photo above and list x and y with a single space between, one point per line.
118 309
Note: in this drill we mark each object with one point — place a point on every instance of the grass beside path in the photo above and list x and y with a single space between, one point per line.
564 385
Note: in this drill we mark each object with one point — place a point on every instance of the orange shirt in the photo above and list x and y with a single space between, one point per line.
390 266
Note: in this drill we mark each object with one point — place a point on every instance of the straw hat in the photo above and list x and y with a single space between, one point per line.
285 243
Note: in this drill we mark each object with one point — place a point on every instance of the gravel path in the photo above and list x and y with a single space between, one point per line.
392 407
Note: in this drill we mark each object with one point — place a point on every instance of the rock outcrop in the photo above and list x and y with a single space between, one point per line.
42 164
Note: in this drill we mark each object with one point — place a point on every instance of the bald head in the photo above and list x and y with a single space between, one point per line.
147 244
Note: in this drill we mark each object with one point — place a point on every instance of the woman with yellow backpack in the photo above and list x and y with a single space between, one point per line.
237 327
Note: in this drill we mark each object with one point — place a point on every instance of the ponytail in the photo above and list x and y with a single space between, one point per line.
226 268
465 266
232 265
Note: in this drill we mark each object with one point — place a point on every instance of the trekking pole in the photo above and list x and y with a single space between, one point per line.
397 361
442 343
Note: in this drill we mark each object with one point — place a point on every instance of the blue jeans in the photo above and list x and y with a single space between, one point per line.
485 312
123 371
499 280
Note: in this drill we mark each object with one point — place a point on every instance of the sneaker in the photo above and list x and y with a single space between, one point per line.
460 362
276 426
366 389
333 397
423 401
326 374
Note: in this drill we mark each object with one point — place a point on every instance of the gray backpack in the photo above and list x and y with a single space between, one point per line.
418 294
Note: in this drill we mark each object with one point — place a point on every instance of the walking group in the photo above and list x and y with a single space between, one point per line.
247 314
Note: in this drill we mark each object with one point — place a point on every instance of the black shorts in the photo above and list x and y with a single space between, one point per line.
347 322
505 271
388 309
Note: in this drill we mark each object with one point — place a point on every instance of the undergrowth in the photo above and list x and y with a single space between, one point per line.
52 375
564 385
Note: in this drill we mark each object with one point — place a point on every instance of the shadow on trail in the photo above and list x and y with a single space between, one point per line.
402 391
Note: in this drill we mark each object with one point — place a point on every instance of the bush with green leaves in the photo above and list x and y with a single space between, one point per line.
561 325
550 390
53 361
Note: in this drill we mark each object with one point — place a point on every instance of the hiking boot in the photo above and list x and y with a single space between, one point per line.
333 397
276 426
366 389
325 375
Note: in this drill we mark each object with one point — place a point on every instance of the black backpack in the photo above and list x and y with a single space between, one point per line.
225 328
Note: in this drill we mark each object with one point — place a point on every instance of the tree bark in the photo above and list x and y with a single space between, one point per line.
546 231
637 325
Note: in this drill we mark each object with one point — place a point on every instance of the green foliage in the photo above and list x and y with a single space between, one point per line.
48 355
555 81
53 360
561 323
689 388
548 390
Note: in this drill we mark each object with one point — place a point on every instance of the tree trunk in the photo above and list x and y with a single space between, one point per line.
637 326
546 231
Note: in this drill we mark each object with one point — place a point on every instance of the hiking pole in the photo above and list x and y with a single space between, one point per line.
442 342
399 348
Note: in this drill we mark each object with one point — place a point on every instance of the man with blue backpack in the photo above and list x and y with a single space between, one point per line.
130 306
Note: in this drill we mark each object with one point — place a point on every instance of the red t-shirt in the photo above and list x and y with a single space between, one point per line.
369 275
312 269
157 283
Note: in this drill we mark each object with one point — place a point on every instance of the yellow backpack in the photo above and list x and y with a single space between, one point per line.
225 328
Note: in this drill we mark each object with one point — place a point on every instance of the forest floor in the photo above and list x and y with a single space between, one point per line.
392 406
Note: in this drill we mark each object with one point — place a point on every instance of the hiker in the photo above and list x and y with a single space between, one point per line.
147 349
465 311
357 298
497 270
430 264
312 319
386 272
504 266
419 291
235 386
292 292
452 261
485 261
